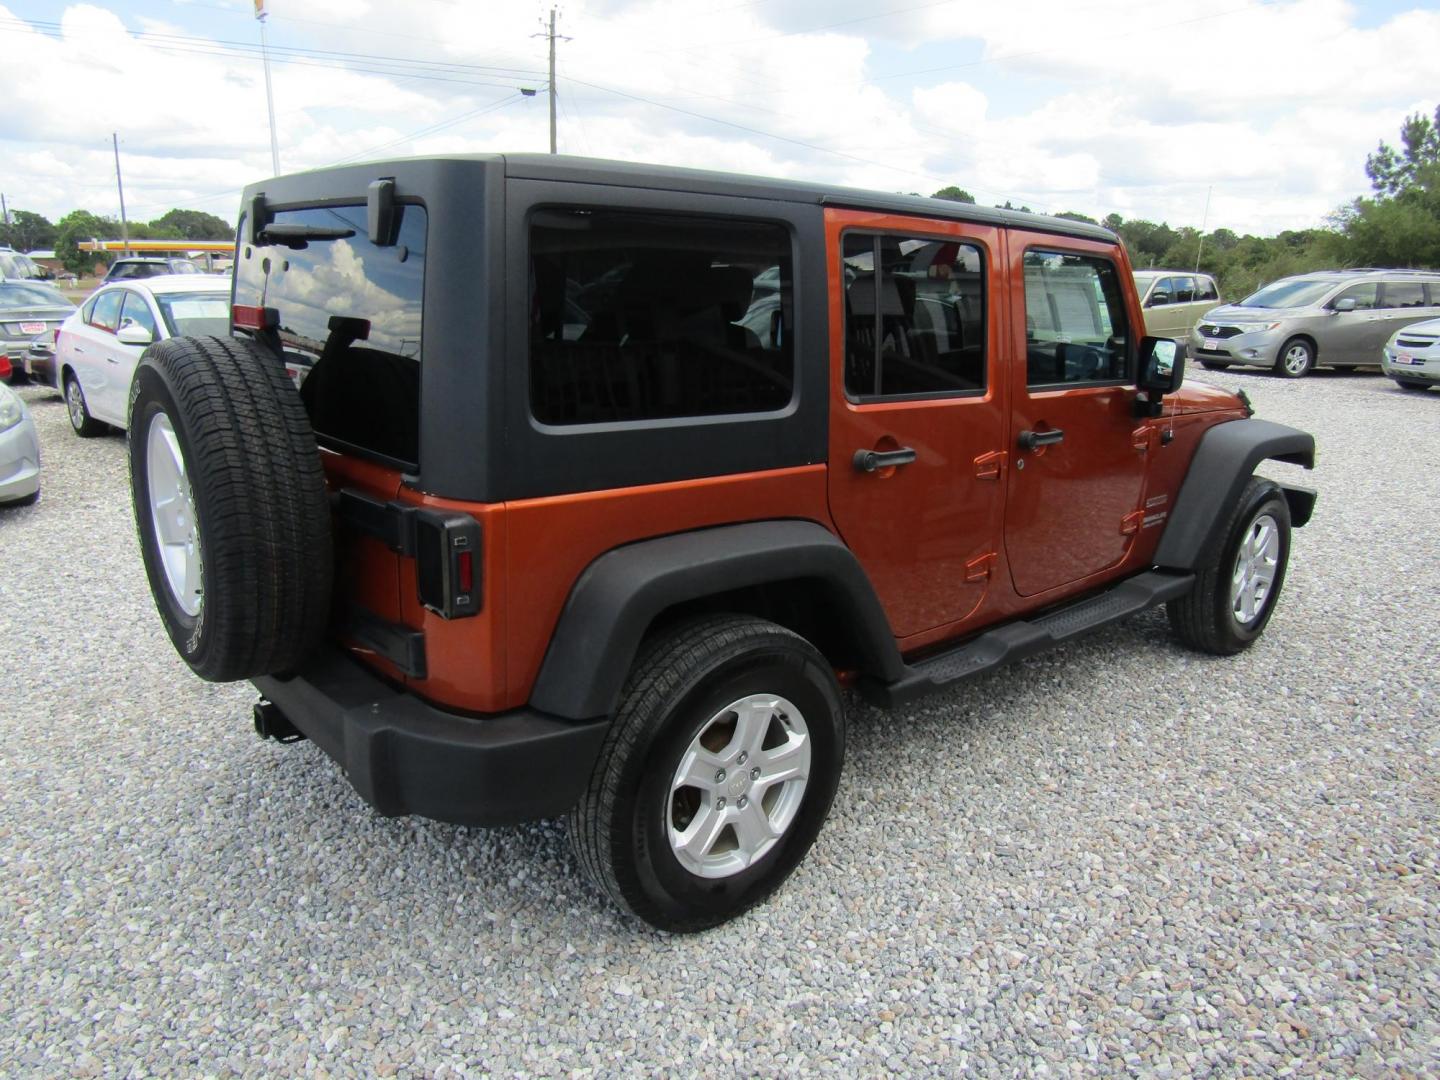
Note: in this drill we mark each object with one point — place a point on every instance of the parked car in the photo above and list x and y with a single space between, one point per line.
609 550
1412 356
19 450
30 311
148 266
1174 300
97 347
15 266
1339 318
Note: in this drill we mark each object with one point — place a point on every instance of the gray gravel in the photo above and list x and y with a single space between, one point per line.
1117 858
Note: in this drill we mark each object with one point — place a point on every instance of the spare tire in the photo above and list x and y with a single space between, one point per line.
230 506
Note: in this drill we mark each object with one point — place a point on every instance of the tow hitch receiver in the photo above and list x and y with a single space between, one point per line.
270 723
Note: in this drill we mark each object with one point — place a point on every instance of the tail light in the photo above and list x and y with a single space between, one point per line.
444 545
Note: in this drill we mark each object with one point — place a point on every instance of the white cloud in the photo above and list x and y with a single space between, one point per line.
1096 105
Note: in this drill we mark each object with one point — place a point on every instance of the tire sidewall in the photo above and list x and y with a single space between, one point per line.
1260 499
676 897
150 395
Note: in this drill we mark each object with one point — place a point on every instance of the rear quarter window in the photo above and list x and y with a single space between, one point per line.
350 320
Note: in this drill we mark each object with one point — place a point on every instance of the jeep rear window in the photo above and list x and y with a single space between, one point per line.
349 321
639 316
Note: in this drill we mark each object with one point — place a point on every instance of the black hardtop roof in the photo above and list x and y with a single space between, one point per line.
581 170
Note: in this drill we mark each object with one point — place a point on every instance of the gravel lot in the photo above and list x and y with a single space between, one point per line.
1120 857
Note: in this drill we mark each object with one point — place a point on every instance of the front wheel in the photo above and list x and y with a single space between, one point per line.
1236 590
716 775
1413 384
1296 358
1215 365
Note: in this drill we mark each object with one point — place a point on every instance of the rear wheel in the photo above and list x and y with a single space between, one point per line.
1297 357
1236 590
85 425
230 506
716 775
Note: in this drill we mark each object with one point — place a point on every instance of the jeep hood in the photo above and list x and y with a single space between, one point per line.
1199 397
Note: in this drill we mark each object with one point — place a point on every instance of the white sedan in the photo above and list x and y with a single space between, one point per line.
97 348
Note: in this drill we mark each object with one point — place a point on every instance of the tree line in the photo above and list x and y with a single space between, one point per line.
27 231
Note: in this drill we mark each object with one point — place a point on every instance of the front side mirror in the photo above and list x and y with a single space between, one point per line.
134 334
1162 366
1347 304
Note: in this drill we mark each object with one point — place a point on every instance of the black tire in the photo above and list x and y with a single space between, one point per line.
261 517
682 679
1205 618
1414 384
1296 359
85 425
24 500
1215 365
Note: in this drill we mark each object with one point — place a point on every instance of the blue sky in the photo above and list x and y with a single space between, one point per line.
1266 106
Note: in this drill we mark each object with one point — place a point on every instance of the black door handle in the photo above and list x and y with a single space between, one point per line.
1029 440
871 460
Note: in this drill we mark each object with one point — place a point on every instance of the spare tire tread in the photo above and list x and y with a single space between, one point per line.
259 489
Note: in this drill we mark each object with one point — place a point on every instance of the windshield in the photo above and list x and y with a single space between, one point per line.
1286 294
195 314
31 294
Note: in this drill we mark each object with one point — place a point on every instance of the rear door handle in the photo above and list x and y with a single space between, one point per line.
872 460
1030 440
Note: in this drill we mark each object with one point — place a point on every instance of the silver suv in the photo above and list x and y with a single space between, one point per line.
1340 318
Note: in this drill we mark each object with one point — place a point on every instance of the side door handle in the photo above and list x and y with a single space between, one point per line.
1030 440
872 460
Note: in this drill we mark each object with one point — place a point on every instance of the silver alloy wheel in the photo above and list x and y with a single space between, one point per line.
172 512
739 786
1297 358
1256 564
75 402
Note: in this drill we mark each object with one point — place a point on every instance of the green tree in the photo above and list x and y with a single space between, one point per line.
1392 172
27 231
954 194
1075 215
81 225
191 225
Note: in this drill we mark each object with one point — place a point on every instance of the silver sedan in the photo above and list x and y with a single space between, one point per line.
19 451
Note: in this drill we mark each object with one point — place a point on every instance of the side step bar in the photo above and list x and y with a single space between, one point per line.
1017 640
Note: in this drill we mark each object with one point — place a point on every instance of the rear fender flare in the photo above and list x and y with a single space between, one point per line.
1223 463
621 593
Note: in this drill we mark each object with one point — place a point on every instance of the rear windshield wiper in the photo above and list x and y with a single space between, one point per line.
296 236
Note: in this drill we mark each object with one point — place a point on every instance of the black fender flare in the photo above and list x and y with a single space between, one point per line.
619 595
1223 463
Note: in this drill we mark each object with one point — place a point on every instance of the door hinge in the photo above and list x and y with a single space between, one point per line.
979 569
1131 522
988 466
1141 437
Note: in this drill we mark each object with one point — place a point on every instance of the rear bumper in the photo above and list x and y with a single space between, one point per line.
405 756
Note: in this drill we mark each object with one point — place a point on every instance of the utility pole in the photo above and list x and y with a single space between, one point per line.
552 36
120 186
269 93
4 210
552 80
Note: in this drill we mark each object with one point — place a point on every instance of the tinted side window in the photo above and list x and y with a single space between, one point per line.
106 312
1184 290
1365 296
1075 325
637 316
1403 294
1163 293
914 316
136 310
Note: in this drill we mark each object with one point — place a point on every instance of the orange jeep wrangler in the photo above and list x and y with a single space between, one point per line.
531 486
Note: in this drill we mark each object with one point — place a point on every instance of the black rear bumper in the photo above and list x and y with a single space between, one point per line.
405 756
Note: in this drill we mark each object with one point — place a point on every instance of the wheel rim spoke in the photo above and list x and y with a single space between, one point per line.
1257 562
172 513
732 796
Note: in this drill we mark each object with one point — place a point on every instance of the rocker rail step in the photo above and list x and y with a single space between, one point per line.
1017 640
